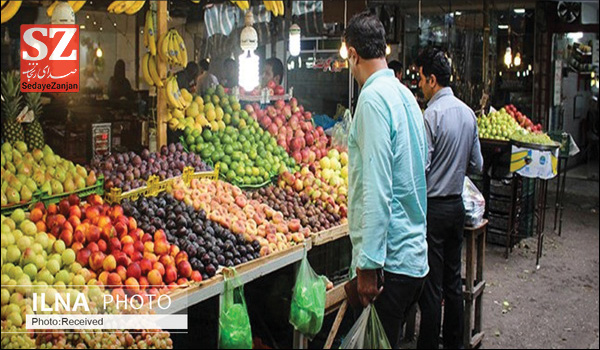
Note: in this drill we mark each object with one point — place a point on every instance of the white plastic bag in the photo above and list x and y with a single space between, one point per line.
367 332
474 204
339 132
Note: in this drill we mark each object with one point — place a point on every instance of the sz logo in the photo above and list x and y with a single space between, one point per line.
49 58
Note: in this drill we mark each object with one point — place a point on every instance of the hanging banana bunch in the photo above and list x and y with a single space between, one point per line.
150 71
9 9
275 7
243 5
150 33
128 7
171 48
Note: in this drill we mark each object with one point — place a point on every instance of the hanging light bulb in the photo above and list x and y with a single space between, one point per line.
248 61
517 60
508 57
344 51
295 40
99 52
388 49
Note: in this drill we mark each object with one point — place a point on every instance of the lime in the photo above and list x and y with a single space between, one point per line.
224 168
240 171
207 134
252 154
199 140
236 156
190 140
193 149
247 180
228 149
187 131
226 159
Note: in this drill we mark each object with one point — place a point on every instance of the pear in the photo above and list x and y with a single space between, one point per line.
28 157
22 178
7 155
4 200
26 194
91 179
11 167
50 160
3 159
31 185
6 147
47 188
4 186
57 187
79 182
60 175
16 157
21 146
47 150
39 177
69 185
15 184
24 168
12 196
51 171
81 171
38 155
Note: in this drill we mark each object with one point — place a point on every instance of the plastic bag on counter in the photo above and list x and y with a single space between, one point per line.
339 134
474 204
367 332
308 301
234 322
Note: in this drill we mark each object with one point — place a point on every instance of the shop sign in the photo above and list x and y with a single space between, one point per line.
533 163
49 58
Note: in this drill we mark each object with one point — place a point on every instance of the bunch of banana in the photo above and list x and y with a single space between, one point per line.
75 5
129 7
150 33
10 9
149 71
175 99
171 48
244 4
276 7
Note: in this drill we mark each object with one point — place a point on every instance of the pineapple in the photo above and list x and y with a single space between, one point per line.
12 130
34 135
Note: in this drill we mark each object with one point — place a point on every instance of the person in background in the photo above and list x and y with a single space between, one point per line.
272 71
91 81
397 67
230 73
205 79
453 149
387 195
187 77
118 85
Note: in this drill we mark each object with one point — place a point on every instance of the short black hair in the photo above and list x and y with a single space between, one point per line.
204 64
277 67
192 69
366 34
434 61
396 66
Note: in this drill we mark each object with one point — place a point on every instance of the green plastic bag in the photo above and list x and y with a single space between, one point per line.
367 332
234 322
308 301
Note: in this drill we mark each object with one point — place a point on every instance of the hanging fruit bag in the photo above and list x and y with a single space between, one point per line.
234 322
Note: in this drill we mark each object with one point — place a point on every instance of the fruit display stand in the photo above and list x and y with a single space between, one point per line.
327 236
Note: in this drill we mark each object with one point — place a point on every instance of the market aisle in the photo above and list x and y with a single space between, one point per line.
556 306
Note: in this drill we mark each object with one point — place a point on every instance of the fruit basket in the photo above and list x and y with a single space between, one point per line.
8 209
154 186
97 188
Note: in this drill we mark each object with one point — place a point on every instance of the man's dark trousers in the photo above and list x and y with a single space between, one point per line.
445 227
400 293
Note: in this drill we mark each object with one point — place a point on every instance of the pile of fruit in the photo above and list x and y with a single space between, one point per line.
227 205
533 138
498 125
24 172
110 244
129 171
207 243
297 206
247 154
294 131
213 111
522 119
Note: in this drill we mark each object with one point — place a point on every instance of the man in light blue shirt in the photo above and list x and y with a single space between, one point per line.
387 200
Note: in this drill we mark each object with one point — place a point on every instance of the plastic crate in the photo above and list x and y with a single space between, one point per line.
526 225
7 210
498 237
154 186
501 188
499 205
97 188
500 222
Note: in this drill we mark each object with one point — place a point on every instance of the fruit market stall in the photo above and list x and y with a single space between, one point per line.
514 196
